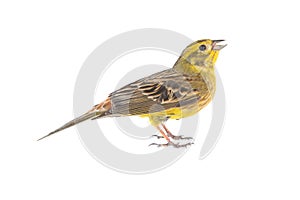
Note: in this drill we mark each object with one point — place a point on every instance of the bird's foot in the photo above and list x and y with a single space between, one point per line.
176 145
180 137
174 137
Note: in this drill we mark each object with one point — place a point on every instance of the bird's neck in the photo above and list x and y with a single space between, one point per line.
185 67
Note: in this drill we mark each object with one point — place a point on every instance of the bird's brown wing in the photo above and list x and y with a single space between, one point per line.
160 91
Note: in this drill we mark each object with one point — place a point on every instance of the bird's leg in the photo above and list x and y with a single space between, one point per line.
175 137
163 136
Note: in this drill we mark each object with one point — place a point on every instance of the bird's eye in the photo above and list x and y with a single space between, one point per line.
202 47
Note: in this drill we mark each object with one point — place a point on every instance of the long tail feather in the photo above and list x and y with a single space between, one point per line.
77 120
97 111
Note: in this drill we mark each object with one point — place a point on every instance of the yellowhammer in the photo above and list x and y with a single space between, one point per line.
174 93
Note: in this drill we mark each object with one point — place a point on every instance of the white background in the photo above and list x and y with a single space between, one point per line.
43 45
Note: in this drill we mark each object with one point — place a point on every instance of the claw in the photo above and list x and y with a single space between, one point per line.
157 136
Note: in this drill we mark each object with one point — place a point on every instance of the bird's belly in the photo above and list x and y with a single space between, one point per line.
179 112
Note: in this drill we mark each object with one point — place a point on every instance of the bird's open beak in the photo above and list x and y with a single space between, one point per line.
218 47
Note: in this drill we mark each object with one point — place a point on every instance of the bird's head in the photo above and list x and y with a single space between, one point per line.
202 53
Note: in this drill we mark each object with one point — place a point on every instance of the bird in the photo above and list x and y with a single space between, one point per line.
174 93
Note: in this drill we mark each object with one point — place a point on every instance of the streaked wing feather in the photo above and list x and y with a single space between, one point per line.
160 91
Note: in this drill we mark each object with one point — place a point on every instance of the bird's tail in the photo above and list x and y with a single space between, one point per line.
97 111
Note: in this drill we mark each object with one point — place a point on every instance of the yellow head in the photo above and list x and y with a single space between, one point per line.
199 54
